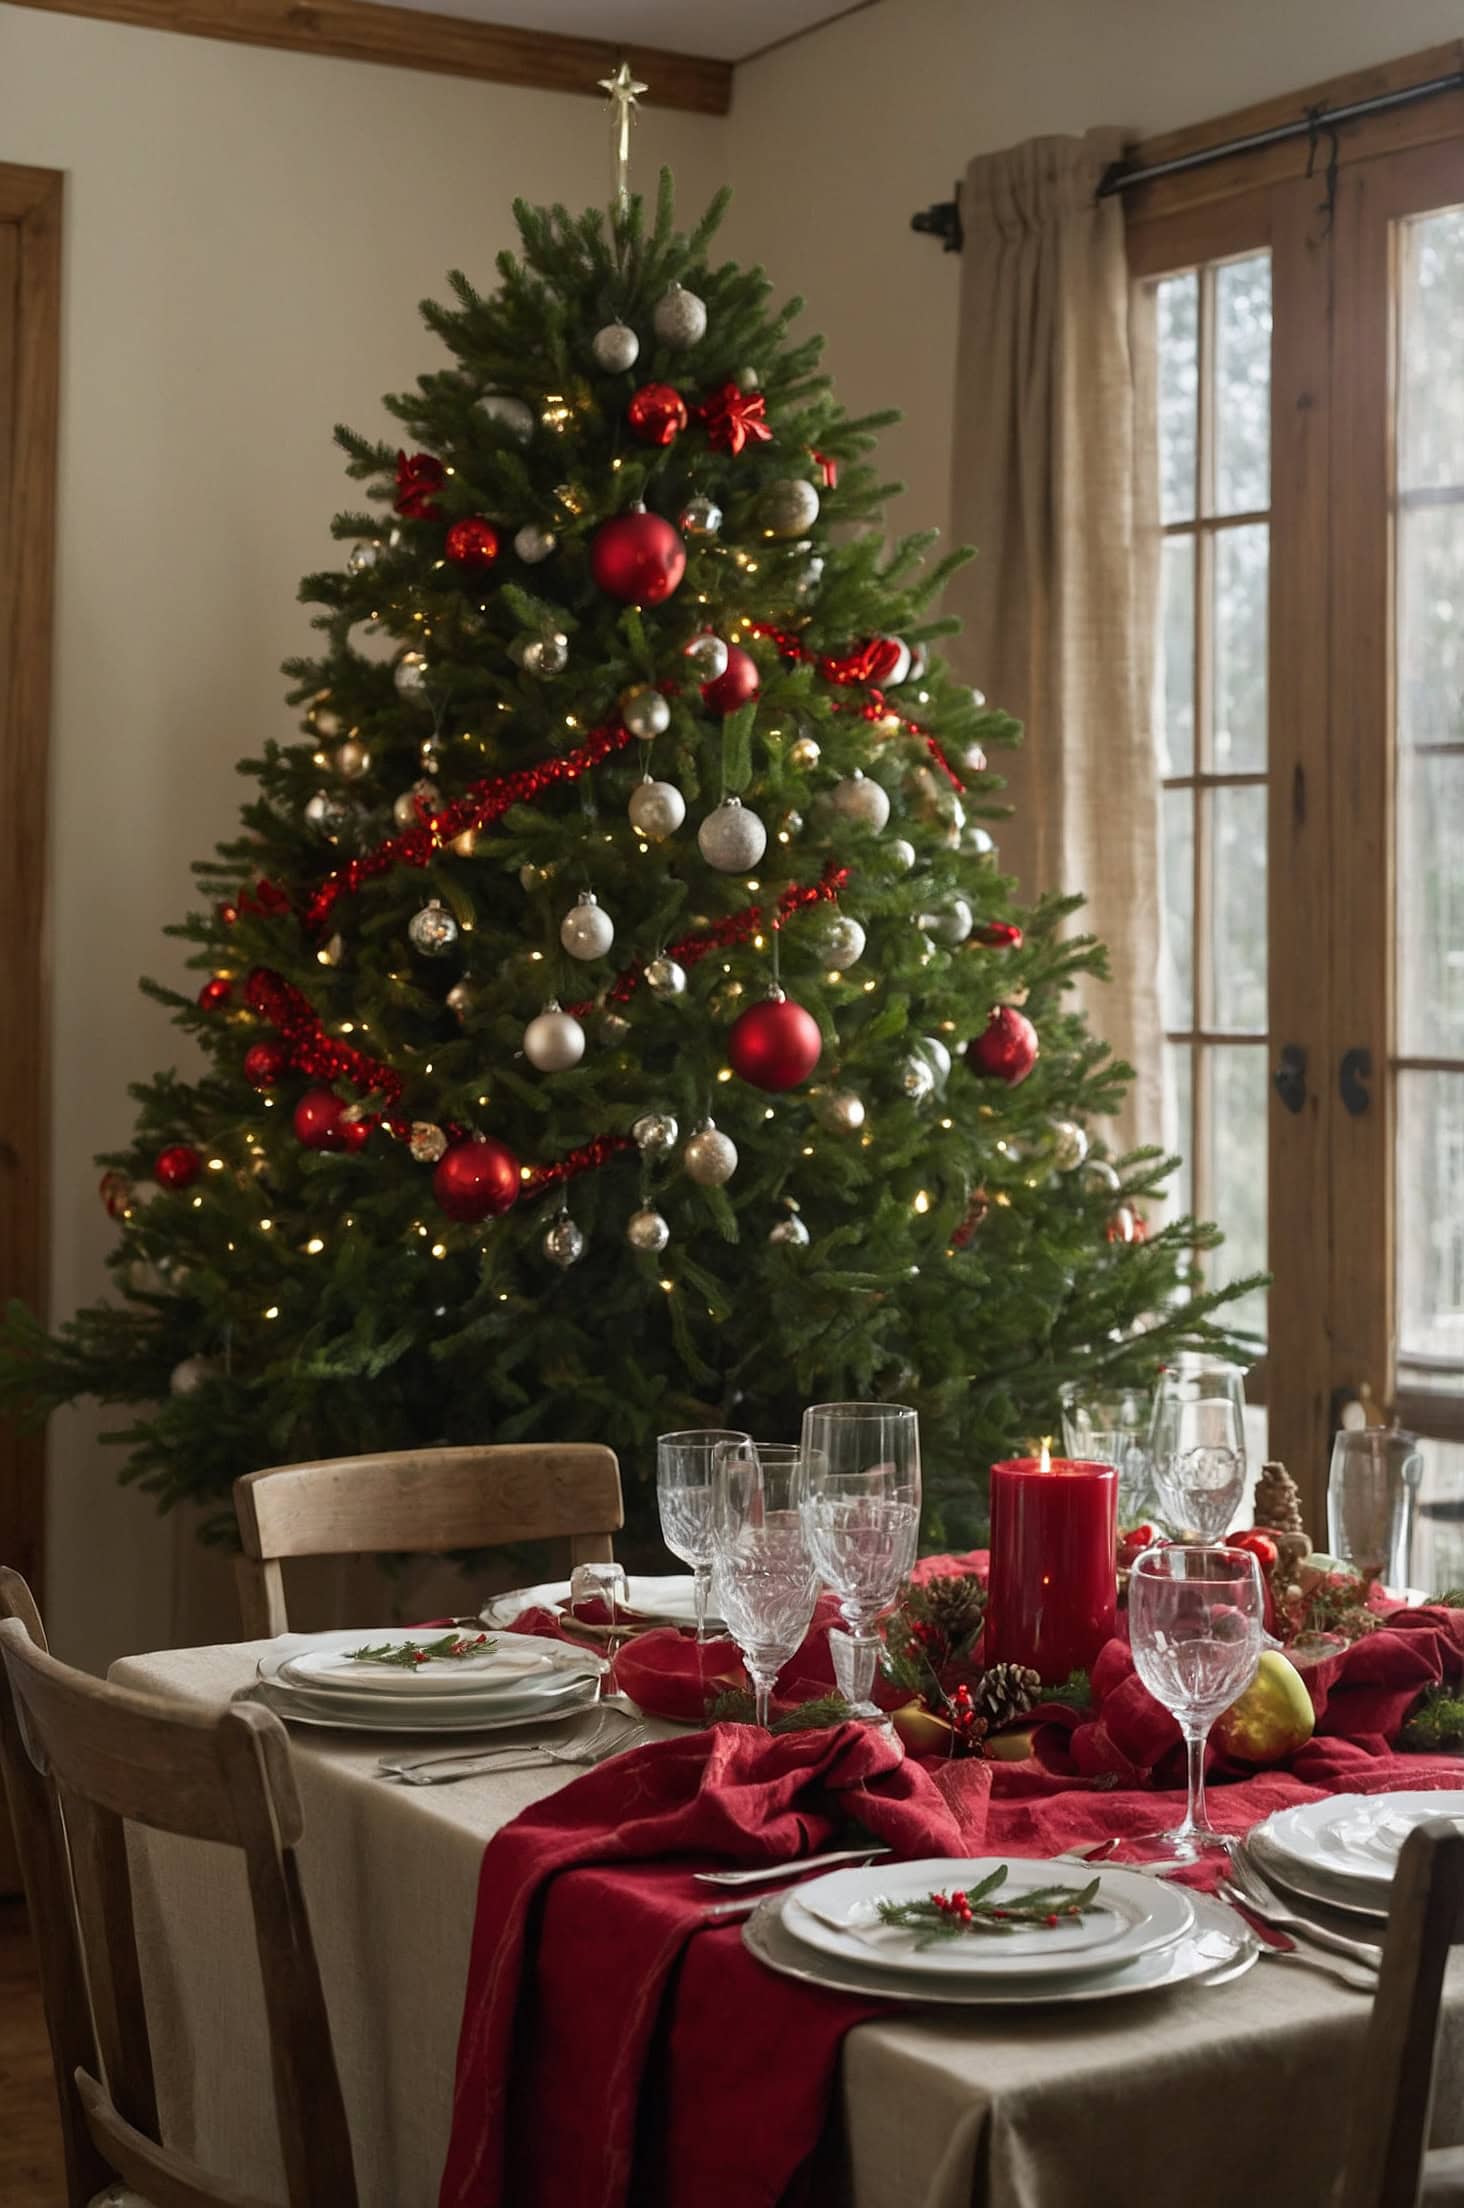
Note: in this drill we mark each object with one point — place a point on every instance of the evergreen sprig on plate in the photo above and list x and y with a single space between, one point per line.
410 1655
941 1917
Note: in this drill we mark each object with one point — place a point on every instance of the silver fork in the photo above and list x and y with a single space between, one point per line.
537 1758
1246 1887
602 1739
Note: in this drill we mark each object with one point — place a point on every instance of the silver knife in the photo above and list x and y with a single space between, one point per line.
767 1872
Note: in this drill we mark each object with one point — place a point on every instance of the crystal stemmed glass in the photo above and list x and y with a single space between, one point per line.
1195 1627
1197 1445
1111 1426
684 1496
862 1508
763 1574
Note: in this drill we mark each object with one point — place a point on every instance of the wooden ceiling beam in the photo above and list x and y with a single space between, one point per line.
410 38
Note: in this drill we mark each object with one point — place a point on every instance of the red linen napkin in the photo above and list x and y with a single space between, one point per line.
599 2036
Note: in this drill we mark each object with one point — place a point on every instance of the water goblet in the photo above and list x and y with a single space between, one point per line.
1371 1492
862 1509
684 1498
1196 1617
1197 1445
763 1574
1110 1425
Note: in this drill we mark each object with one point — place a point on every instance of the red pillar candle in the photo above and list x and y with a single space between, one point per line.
1052 1598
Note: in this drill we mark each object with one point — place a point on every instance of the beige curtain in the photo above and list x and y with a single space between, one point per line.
1054 483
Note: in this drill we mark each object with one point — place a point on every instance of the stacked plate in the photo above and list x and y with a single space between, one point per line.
1343 1851
1141 1934
515 1679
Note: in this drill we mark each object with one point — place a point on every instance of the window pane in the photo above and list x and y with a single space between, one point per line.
1430 392
1431 1218
1438 1534
1431 624
1243 385
1177 1127
1176 972
1177 649
1178 322
1238 903
1431 904
1238 1172
1242 559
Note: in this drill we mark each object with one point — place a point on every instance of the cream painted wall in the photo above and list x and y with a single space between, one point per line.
840 136
247 235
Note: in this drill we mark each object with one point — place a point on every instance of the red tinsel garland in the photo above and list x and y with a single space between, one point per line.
859 667
478 807
736 928
311 1050
587 1159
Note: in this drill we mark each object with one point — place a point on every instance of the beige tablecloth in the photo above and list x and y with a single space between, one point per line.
1207 2097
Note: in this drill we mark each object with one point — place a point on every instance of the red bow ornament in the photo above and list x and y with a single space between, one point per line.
730 417
418 476
870 662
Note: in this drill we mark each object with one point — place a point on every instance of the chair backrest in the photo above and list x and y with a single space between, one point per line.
80 1760
421 1502
1392 2096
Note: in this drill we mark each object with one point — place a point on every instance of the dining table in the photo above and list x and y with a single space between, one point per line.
1208 2094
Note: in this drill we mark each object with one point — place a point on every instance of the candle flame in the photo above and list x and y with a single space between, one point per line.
1044 1454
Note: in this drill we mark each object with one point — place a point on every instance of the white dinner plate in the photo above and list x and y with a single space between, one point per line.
298 1707
435 1709
1134 1914
1217 1938
660 1594
1307 1884
1355 1838
515 1663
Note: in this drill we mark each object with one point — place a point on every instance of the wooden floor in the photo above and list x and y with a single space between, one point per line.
30 2141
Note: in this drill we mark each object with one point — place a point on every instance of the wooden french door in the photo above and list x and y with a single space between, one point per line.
30 317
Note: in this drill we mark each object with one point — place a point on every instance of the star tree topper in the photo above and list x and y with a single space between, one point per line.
623 90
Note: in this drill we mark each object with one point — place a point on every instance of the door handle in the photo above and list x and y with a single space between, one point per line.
1289 1079
1353 1076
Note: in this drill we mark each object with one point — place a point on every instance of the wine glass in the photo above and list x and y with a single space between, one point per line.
764 1576
862 1509
1374 1482
1196 1619
684 1496
1111 1426
1197 1445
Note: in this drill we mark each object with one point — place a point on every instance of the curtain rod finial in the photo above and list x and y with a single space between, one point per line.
943 221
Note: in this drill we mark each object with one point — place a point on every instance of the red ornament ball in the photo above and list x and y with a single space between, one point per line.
321 1124
178 1166
477 1179
637 557
774 1045
1000 935
1260 1545
215 994
115 1190
472 542
265 1064
656 414
418 475
227 913
1127 1225
738 683
1007 1049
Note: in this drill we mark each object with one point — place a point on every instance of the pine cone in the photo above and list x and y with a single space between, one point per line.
1278 1500
955 1603
1006 1691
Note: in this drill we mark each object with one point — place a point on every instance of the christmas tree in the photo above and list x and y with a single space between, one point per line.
613 1014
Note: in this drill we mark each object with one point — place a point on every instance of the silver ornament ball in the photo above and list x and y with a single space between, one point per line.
1098 1173
810 576
977 842
917 1077
901 852
788 508
791 1232
352 759
327 813
647 1230
700 517
410 677
564 1245
432 931
656 810
611 1027
951 924
862 801
842 942
323 717
547 654
554 1041
534 543
1069 1145
654 1134
665 978
616 348
192 1374
404 812
936 1055
363 557
732 839
460 1000
680 318
805 752
427 1142
841 1111
707 657
644 712
508 413
587 930
710 1157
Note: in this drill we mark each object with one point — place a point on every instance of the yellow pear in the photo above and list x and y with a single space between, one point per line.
1272 1719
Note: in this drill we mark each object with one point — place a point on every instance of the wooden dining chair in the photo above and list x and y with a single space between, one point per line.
81 1760
1388 2162
423 1502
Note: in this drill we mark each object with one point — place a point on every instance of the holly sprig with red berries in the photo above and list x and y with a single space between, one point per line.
941 1917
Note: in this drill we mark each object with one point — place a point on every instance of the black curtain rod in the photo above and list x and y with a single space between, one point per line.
943 220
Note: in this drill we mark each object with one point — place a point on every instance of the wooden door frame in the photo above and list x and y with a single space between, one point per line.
30 209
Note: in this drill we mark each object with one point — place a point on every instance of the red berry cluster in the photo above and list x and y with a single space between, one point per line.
965 1719
956 1906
